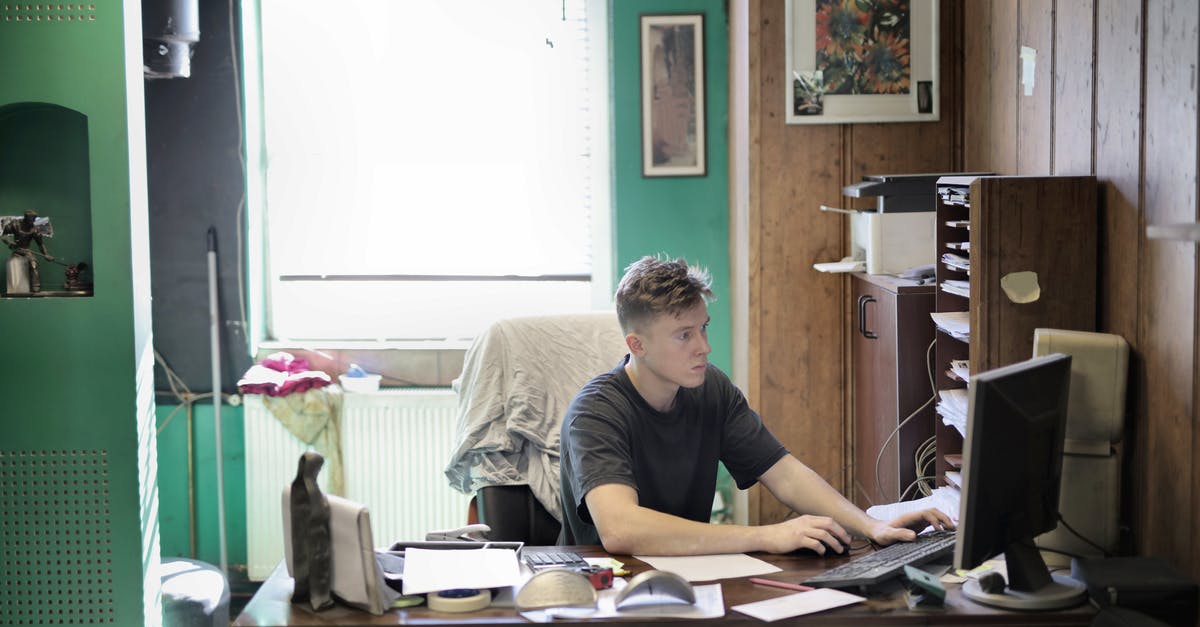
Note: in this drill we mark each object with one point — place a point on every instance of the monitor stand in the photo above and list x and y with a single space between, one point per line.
1031 586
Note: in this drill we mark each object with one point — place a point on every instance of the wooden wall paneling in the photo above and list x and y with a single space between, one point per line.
1118 150
976 86
913 147
1167 305
757 80
1035 111
801 334
1074 101
1005 90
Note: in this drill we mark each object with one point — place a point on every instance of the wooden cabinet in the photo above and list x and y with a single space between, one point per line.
1026 258
892 335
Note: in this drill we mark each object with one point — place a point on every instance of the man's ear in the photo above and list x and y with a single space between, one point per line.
634 342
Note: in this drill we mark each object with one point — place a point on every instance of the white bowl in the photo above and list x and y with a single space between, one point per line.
369 383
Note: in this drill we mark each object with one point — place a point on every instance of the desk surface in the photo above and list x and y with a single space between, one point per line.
271 605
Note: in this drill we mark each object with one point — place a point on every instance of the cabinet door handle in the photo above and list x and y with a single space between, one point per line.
862 316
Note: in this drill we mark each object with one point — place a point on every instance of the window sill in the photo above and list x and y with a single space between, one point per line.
402 364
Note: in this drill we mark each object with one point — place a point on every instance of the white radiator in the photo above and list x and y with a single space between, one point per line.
395 444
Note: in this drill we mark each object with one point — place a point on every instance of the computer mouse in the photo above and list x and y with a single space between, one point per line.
830 550
655 587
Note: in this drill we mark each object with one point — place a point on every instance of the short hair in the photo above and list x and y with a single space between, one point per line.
653 286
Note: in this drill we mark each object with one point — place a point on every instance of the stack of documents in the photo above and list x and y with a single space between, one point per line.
961 369
961 288
957 262
963 246
945 498
952 407
955 195
956 324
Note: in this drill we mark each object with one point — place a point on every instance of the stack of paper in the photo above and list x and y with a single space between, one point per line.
961 369
956 324
956 262
945 498
961 288
952 407
955 195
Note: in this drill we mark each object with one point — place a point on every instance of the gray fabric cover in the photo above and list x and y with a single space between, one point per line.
194 593
518 378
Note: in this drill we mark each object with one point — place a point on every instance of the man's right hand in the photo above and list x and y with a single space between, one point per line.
817 533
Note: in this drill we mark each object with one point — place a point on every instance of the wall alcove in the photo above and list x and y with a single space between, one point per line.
44 166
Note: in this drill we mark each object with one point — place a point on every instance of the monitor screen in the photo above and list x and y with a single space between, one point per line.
1012 464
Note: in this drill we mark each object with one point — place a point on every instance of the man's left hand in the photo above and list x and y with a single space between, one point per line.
905 528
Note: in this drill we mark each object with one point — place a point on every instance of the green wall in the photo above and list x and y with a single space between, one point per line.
681 216
78 417
174 517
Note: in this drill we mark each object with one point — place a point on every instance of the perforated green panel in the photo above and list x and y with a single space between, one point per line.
57 546
78 507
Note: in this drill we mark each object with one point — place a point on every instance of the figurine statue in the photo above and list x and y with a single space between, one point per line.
73 271
23 266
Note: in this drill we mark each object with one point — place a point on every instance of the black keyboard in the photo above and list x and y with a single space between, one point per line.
542 560
887 562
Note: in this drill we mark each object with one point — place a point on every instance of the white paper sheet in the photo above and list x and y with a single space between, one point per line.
711 567
430 570
710 603
797 604
945 498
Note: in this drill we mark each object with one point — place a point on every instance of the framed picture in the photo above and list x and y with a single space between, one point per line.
861 61
672 60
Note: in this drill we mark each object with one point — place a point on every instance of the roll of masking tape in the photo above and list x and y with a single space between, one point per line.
465 600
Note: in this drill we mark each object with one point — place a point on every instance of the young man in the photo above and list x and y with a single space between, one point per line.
640 444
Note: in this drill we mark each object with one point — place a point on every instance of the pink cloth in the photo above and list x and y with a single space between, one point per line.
281 374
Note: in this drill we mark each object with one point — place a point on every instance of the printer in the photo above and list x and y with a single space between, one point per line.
899 233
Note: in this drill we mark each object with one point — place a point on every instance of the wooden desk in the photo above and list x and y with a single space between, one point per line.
271 605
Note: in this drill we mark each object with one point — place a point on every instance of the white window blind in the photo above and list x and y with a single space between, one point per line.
430 167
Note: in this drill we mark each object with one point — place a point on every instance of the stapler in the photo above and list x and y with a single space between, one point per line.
470 533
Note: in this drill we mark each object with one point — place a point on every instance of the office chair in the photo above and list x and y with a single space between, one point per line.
518 378
1090 497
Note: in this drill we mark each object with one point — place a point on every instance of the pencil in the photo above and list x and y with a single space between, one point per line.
780 584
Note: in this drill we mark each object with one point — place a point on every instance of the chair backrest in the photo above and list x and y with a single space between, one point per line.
518 379
515 515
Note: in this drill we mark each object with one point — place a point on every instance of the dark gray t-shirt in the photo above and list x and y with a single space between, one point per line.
610 434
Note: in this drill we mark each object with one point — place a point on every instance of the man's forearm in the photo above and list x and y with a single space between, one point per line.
644 531
805 492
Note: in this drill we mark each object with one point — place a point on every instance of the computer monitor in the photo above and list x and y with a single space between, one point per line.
1012 464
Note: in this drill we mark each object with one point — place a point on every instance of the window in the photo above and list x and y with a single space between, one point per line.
428 167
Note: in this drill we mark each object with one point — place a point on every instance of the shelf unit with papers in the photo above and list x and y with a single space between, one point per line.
1026 248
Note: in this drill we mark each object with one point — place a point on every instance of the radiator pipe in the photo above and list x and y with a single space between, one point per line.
215 339
191 480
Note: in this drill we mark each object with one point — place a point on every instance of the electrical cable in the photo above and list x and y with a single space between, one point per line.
1081 536
914 484
932 397
925 455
